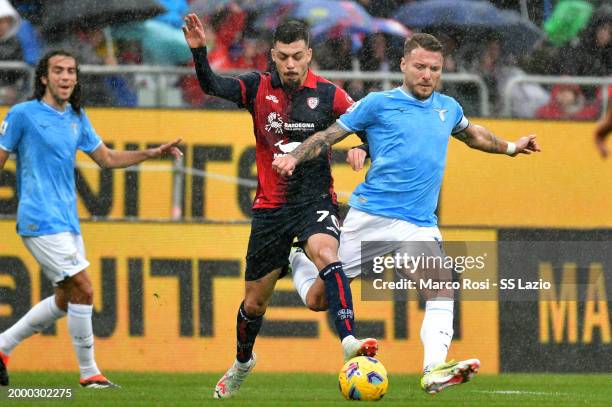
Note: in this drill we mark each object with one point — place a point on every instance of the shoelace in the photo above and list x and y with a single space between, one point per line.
236 376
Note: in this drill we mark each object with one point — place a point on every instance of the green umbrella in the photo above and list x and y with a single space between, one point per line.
567 20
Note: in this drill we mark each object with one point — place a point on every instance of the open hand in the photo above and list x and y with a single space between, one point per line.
168 148
194 31
526 145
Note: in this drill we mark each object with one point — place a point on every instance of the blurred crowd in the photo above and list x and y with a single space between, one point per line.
576 38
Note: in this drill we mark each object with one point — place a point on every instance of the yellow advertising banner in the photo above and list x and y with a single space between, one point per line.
567 185
166 296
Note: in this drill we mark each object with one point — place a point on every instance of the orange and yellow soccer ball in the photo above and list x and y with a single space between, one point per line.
363 378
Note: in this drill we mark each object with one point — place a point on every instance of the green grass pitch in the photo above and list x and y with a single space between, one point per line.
312 390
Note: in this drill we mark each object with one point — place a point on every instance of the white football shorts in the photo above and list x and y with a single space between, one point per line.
360 226
60 255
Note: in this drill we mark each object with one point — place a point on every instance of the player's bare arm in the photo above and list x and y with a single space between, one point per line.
309 149
4 155
109 158
604 127
480 138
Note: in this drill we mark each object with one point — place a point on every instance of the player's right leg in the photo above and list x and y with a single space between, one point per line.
42 315
266 262
45 250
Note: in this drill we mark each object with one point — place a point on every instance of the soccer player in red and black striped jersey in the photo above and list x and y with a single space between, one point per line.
287 105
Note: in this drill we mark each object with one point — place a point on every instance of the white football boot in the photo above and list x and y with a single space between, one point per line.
230 383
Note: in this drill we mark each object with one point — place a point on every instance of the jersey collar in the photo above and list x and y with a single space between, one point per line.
310 82
60 112
411 96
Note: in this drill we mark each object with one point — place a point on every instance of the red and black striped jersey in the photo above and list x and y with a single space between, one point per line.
282 119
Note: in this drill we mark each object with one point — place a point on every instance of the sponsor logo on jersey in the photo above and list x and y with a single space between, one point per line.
272 98
286 147
3 127
298 126
441 113
275 123
312 102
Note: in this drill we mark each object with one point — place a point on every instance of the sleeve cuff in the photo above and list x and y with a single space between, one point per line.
95 148
462 125
5 149
344 126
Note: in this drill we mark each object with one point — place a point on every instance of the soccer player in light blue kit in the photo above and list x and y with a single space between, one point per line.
45 134
408 131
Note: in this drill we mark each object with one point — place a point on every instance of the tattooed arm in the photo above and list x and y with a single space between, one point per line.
480 138
309 149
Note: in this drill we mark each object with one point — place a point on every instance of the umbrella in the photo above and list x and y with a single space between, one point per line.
161 43
519 35
327 19
29 9
207 7
391 27
321 15
66 15
476 18
449 13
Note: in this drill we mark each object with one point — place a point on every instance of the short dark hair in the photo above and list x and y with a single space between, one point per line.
290 31
422 40
42 69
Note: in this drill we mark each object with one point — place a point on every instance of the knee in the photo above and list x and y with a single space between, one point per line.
82 293
316 303
326 255
254 308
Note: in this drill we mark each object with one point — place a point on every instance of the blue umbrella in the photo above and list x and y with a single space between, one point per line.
474 17
321 15
519 35
449 13
207 7
390 27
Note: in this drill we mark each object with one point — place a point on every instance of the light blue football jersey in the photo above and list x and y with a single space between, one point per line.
45 142
408 140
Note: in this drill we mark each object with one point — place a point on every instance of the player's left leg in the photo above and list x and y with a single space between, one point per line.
323 250
437 327
79 291
306 280
249 320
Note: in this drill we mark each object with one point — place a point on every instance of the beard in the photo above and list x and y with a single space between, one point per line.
291 82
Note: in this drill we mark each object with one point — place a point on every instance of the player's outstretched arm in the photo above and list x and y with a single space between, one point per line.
309 149
480 138
211 83
4 155
108 158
